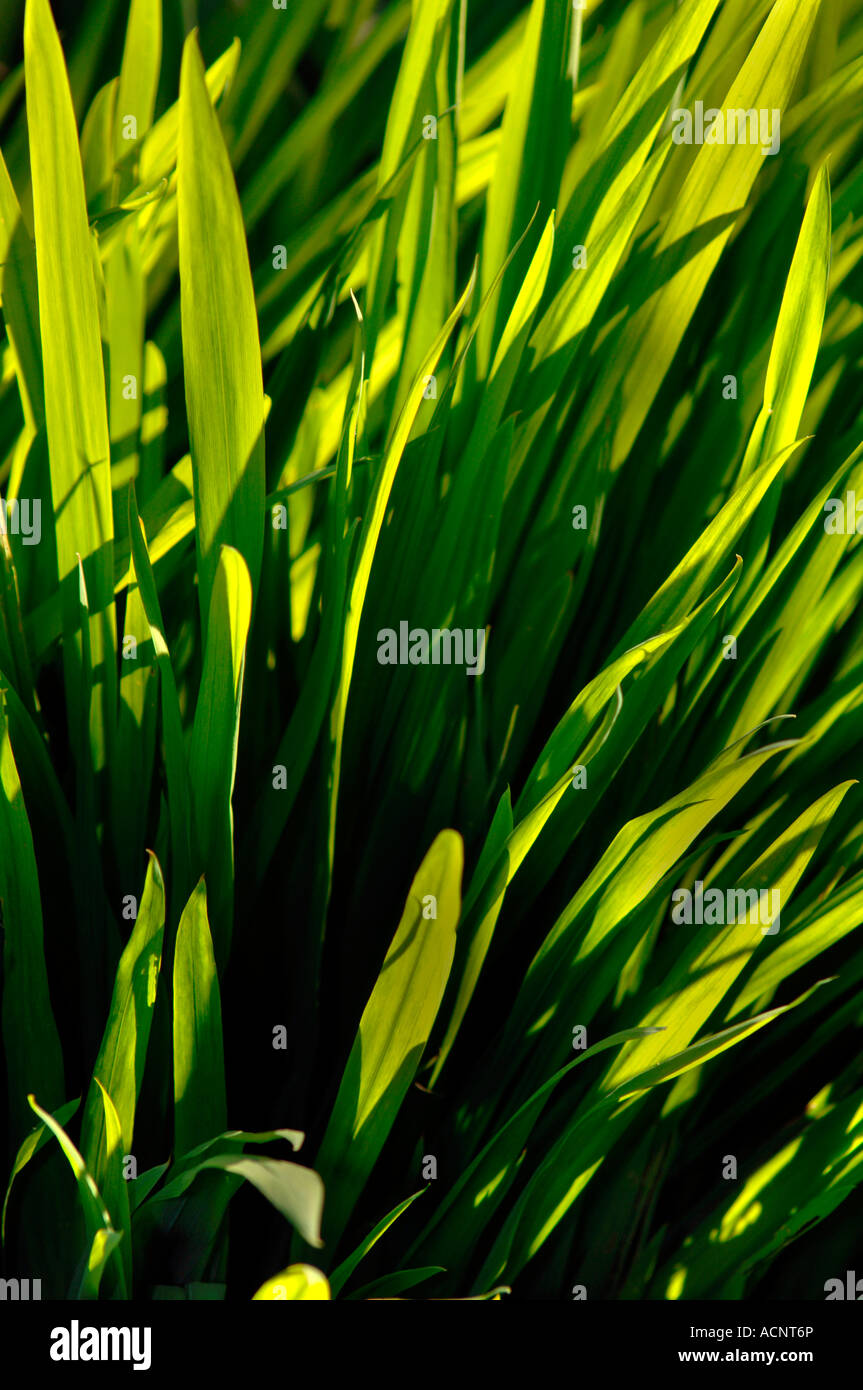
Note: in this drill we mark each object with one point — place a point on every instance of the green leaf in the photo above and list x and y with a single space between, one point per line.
479 1190
119 1068
696 1053
103 1246
221 348
530 158
34 1059
30 1147
159 151
138 709
296 1192
199 1067
803 942
802 1182
393 1031
213 750
703 218
75 408
798 333
18 295
705 973
115 1189
342 1274
96 1217
179 793
229 1137
368 540
390 1284
139 73
186 1167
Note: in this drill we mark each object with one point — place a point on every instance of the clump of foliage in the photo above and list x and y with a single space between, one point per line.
328 317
